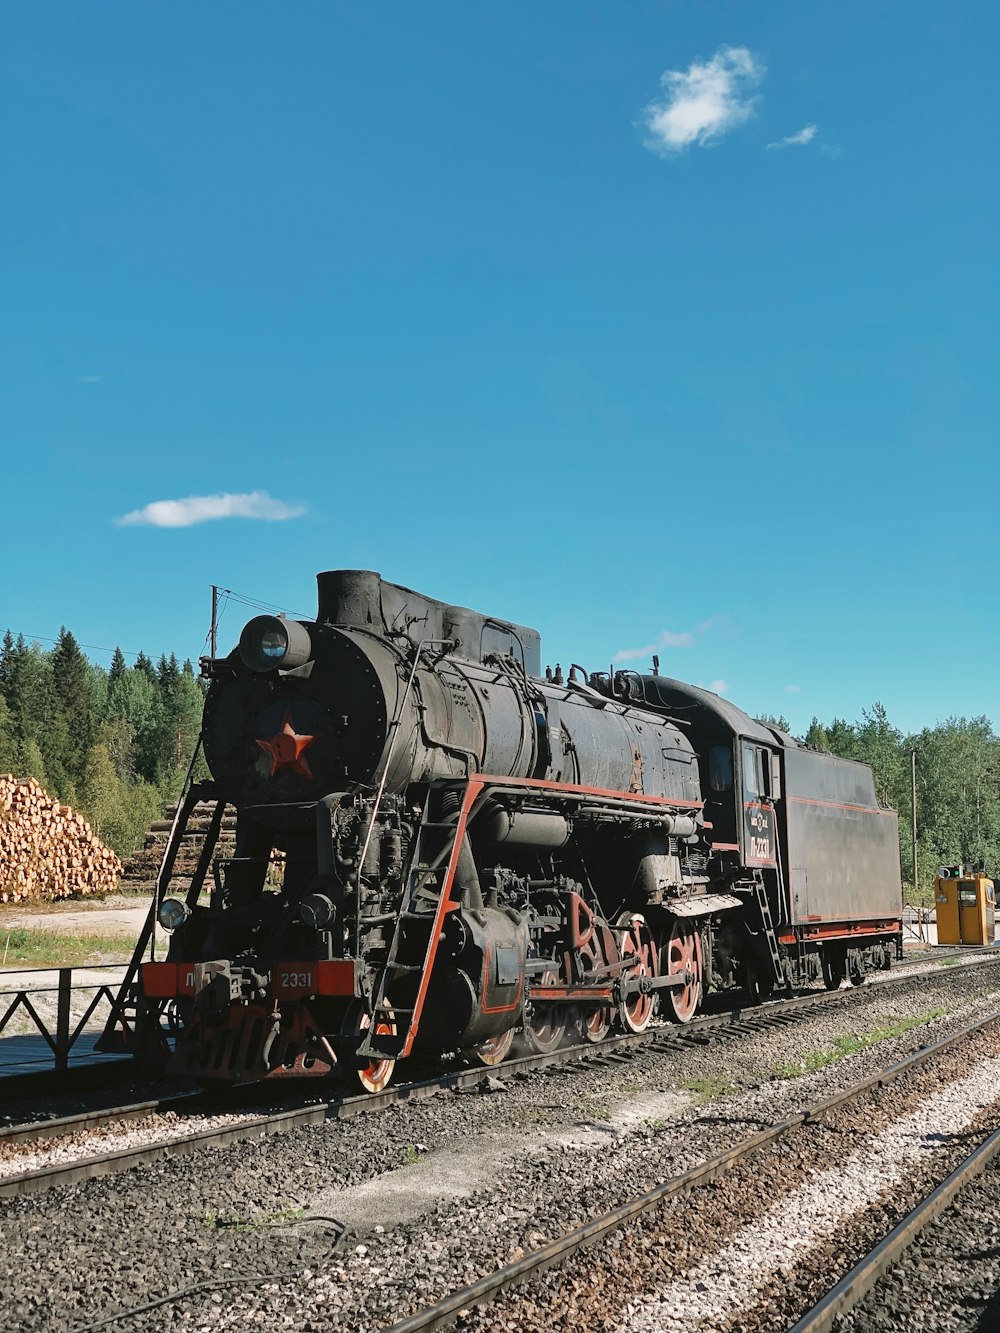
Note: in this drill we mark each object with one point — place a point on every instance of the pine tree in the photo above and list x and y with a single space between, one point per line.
779 723
8 741
168 673
145 665
6 655
74 701
118 667
134 702
880 744
30 762
816 735
843 738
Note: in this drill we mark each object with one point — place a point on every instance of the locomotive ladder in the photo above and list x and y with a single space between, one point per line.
431 869
134 1026
760 894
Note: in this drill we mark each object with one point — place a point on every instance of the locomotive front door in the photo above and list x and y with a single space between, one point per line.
760 838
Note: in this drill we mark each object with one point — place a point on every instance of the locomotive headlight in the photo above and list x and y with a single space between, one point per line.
268 642
172 914
317 911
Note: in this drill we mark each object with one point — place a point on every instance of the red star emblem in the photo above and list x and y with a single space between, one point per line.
285 748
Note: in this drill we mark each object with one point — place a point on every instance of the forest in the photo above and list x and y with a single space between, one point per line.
115 743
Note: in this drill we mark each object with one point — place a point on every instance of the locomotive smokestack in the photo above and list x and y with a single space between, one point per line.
349 597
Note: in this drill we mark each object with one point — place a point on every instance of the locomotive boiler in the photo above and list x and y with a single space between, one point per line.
439 848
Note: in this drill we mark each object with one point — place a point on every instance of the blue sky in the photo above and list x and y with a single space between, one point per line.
531 307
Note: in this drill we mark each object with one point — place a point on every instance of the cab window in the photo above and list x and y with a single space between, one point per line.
720 768
751 779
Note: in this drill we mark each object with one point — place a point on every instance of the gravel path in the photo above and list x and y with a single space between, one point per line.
435 1191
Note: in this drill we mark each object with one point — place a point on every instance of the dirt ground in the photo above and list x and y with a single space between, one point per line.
113 915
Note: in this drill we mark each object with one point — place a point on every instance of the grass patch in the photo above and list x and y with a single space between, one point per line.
949 962
410 1155
706 1090
842 1047
20 946
230 1222
593 1107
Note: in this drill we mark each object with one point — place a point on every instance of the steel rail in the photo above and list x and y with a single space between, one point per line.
122 1069
345 1108
702 1031
856 1284
62 1126
447 1310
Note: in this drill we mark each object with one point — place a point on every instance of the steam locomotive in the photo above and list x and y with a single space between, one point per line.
440 849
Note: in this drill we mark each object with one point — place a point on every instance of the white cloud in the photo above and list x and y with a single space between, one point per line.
793 689
701 103
202 508
717 686
805 135
671 639
665 639
89 379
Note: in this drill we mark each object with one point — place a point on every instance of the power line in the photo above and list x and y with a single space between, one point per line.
225 594
94 647
258 605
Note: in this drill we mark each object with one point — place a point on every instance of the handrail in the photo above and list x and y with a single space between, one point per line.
65 1037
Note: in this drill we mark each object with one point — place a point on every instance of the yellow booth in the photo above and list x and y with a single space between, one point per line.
966 907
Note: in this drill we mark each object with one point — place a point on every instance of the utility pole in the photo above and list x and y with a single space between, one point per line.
215 622
913 813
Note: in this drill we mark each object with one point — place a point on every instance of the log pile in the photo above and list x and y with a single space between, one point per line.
47 850
142 866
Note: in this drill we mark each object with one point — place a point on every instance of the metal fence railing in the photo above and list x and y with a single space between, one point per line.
60 1011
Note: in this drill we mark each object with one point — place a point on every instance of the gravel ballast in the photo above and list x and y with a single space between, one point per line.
949 1279
542 1152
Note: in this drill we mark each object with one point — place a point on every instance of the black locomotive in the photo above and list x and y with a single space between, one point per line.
438 849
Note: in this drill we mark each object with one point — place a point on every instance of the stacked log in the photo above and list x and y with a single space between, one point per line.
48 850
140 870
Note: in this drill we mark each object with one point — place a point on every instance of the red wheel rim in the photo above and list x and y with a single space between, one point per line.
545 1029
594 1024
638 1009
495 1048
684 957
375 1076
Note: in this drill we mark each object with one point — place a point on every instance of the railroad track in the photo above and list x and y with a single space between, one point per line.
852 1288
239 1123
847 1293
